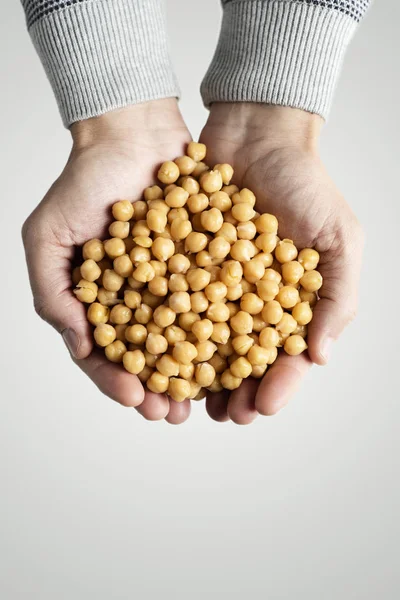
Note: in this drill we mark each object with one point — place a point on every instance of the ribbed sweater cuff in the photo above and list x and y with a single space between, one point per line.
100 55
285 52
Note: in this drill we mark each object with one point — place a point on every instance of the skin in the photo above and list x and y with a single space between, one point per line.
274 151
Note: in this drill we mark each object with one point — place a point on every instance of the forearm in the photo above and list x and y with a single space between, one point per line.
100 55
283 52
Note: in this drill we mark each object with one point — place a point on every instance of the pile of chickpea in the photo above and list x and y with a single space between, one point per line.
194 290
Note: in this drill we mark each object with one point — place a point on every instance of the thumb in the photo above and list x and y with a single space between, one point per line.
49 270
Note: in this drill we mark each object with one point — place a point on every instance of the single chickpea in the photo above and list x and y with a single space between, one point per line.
205 351
123 265
266 242
247 287
180 229
272 275
230 189
152 327
258 371
287 324
150 359
157 383
97 313
114 247
234 292
163 249
309 259
204 259
212 219
197 203
242 212
243 251
251 303
104 334
221 201
140 210
218 362
253 270
216 292
288 296
112 281
186 320
258 323
140 255
198 279
301 330
134 362
196 223
160 268
231 273
267 223
145 374
144 272
195 242
120 332
245 196
156 220
136 334
115 352
233 308
202 329
310 297
168 172
123 210
267 289
179 263
169 188
120 314
241 368
186 165
219 247
184 352
295 345
204 374
218 312
269 337
285 251
140 229
174 334
302 313
164 316
220 333
86 291
200 168
179 302
150 299
177 213
168 366
311 281
229 381
228 232
93 249
156 343
178 283
143 241
258 355
160 206
178 389
225 350
246 230
226 172
158 286
143 314
214 270
199 302
119 229
186 371
196 151
211 181
292 271
190 185
153 193
107 298
266 259
272 312
242 323
242 344
177 197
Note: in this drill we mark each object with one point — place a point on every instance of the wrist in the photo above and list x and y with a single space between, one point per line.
276 126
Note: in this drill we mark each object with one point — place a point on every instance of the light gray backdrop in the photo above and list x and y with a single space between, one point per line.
97 503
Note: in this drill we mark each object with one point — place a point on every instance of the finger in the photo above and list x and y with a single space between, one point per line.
337 305
179 412
241 405
114 382
217 406
49 269
280 383
154 406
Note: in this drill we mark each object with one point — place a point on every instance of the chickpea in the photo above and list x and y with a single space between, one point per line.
245 196
204 374
196 151
221 201
140 229
186 165
234 292
285 251
220 333
242 323
152 327
153 193
123 265
229 381
104 334
186 371
123 210
251 303
242 344
267 242
202 329
241 368
253 270
201 168
163 249
211 181
195 242
292 272
177 213
150 359
97 313
197 203
267 223
267 289
258 371
248 288
228 232
115 351
144 272
186 320
180 229
301 330
198 279
169 188
310 297
140 210
156 343
214 271
295 345
226 172
216 292
302 313
179 302
205 351
168 366
218 362
246 230
119 229
156 220
233 308
287 324
272 312
150 299
93 249
140 255
120 314
136 334
143 241
107 298
269 337
158 286
266 260
174 334
242 212
218 312
177 197
143 314
114 247
243 251
168 172
145 373
225 350
134 361
288 296
199 302
112 282
157 383
230 189
196 223
212 219
178 263
86 291
184 352
190 185
231 273
272 275
258 323
311 281
204 259
258 355
160 206
179 389
309 259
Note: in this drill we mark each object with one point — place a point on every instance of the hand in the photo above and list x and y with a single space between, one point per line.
274 152
113 157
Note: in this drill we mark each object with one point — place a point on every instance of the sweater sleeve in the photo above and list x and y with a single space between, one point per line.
100 55
285 52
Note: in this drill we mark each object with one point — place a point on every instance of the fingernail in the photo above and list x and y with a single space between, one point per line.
71 340
326 348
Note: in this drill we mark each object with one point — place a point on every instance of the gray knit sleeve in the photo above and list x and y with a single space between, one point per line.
285 52
100 55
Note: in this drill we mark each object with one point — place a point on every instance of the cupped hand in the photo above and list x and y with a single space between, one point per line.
114 157
274 151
